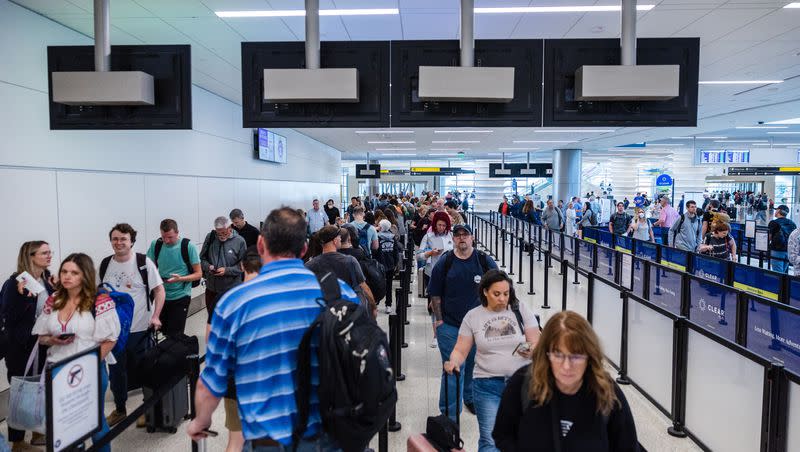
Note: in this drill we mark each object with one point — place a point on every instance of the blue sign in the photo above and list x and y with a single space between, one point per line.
666 289
774 333
757 281
674 258
714 308
711 269
606 259
794 292
646 250
664 180
605 238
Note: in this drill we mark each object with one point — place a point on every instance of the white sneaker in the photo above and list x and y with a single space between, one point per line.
434 344
388 309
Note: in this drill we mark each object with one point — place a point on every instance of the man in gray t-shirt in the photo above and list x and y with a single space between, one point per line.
343 266
552 217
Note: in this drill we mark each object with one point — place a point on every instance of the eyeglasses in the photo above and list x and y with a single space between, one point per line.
558 357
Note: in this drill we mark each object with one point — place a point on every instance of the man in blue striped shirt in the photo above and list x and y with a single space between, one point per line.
255 331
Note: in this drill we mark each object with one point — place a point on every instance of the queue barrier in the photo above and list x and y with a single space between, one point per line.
698 349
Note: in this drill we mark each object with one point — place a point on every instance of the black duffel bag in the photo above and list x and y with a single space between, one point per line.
165 360
441 431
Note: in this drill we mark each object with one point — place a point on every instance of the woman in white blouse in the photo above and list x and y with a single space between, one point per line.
87 319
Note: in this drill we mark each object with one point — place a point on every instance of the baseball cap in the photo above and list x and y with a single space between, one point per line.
460 227
784 208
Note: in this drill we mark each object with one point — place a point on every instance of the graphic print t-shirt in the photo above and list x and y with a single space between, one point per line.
496 335
125 277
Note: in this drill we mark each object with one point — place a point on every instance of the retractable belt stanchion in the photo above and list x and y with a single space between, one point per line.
530 269
564 273
503 245
539 241
496 251
511 256
394 344
521 252
401 326
546 277
383 436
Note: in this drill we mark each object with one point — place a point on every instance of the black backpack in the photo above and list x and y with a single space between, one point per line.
184 256
356 383
141 265
388 253
375 276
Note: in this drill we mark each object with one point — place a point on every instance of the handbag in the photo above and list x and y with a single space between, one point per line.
27 410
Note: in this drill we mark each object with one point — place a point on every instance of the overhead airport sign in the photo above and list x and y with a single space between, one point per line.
438 171
371 172
763 170
521 170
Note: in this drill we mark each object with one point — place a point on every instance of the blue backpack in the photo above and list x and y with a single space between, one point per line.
124 309
363 239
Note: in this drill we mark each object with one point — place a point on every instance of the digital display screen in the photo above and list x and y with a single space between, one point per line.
271 146
714 308
725 156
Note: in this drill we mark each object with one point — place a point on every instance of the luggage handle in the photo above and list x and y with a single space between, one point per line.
456 374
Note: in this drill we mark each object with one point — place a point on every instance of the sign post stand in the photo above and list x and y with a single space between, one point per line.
74 400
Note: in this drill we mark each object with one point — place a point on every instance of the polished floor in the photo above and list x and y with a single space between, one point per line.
422 367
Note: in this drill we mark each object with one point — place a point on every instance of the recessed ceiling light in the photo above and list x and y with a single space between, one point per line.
450 149
396 149
761 144
463 131
444 154
302 12
398 155
739 82
794 5
381 132
391 142
664 144
529 141
787 144
762 127
711 138
576 131
556 9
454 142
741 141
495 153
786 121
518 149
783 133
681 138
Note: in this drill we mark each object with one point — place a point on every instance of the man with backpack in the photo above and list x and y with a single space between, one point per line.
178 265
761 205
254 340
552 217
685 234
453 291
619 221
222 252
136 275
779 231
389 245
343 266
367 235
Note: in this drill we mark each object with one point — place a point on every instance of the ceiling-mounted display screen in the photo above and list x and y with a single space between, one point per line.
562 57
370 58
169 65
524 55
521 170
373 171
270 147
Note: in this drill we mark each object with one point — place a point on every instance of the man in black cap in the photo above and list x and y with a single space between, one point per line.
343 266
453 291
779 230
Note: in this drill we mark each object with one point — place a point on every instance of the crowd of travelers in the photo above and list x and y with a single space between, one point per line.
265 288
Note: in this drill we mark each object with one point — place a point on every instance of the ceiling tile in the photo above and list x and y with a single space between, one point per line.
439 6
265 29
663 23
359 4
720 22
495 26
552 25
362 28
431 26
85 25
212 33
331 28
298 4
119 8
152 30
237 5
47 7
176 8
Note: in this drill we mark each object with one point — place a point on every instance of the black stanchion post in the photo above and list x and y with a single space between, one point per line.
564 284
530 270
401 325
679 358
383 437
539 241
511 257
496 250
194 375
402 308
575 252
394 344
503 249
521 252
546 277
623 360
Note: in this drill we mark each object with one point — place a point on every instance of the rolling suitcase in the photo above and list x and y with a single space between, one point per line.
439 426
168 413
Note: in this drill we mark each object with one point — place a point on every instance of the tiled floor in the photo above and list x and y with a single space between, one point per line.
419 392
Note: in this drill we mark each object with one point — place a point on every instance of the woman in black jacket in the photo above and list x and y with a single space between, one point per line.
332 211
565 400
20 310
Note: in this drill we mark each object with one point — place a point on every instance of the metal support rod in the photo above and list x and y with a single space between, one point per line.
503 249
521 252
467 33
312 34
530 270
628 36
511 256
102 36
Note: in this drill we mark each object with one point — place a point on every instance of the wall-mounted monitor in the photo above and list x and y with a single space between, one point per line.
269 146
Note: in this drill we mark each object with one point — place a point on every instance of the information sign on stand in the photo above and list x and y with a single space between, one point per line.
73 396
626 271
762 241
750 229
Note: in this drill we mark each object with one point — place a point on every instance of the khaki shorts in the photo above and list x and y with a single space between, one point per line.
232 420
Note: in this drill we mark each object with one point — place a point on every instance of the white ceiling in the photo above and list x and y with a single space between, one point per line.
740 39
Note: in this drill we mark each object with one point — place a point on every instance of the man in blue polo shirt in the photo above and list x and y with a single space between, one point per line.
256 329
453 291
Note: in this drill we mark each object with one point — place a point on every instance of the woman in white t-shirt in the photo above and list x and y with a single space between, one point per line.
75 318
502 347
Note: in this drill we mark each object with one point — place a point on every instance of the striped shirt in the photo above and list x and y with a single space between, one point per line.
255 331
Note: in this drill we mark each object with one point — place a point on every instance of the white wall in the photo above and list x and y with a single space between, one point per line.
70 187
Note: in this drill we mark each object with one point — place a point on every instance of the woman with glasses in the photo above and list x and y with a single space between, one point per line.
641 228
504 333
21 308
565 400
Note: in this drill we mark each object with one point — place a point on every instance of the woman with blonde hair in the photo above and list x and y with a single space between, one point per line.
75 318
641 227
21 308
565 400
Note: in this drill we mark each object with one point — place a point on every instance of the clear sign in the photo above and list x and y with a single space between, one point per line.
750 229
74 400
762 241
626 271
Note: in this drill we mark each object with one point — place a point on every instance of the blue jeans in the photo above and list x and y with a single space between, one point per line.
321 444
446 336
487 393
119 372
104 425
777 261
